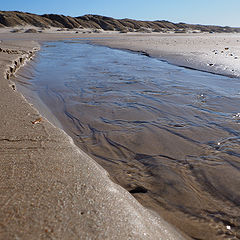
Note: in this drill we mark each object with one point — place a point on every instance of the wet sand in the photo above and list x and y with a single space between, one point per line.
211 175
50 189
166 134
198 194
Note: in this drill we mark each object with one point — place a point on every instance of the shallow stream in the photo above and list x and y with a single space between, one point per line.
169 135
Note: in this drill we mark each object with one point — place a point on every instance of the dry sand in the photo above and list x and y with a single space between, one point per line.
216 53
50 188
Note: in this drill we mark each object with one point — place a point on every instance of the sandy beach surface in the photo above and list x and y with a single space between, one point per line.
215 53
50 188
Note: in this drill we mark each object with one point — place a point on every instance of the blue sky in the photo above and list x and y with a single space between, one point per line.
216 12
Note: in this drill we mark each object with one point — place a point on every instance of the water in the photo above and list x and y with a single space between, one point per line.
167 134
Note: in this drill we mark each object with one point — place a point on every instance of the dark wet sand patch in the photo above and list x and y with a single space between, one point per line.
166 134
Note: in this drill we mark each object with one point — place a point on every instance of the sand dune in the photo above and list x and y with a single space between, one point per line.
13 19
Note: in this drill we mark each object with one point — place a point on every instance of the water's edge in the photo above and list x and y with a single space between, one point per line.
50 112
29 194
176 60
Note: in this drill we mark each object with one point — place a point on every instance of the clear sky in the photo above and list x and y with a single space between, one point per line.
216 12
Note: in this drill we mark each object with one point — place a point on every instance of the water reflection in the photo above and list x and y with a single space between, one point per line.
169 132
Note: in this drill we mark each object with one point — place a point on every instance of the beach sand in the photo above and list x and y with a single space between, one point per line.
207 192
215 53
50 188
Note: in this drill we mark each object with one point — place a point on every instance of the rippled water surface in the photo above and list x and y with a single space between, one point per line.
167 134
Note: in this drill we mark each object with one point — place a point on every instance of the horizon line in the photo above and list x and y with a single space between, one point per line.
120 18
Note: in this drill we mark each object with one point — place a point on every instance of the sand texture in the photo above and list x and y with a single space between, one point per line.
49 188
48 177
197 194
215 53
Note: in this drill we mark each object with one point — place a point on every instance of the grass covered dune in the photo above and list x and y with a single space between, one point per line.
15 18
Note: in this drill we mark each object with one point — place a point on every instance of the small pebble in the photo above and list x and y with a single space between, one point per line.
237 115
38 120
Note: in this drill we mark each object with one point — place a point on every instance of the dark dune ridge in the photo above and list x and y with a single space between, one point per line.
16 18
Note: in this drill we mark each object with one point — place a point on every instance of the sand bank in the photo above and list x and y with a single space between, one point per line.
215 53
49 187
